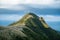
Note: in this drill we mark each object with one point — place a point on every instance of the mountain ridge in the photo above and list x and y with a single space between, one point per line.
30 27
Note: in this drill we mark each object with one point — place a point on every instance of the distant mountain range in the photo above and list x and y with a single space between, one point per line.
30 27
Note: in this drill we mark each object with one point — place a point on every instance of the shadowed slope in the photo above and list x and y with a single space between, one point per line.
30 27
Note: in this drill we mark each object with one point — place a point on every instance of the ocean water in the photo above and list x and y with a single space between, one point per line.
53 25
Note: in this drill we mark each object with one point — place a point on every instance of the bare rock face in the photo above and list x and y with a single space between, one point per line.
30 27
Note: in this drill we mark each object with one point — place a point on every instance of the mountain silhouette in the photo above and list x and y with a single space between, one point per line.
30 27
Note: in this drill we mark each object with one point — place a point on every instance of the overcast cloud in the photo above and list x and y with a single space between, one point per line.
12 3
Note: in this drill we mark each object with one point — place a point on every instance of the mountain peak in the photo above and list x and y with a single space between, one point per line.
25 18
33 19
31 14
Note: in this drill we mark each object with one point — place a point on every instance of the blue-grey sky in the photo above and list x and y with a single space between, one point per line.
49 9
13 10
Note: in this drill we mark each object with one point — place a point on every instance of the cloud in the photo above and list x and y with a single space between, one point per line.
13 4
7 17
50 17
16 17
9 2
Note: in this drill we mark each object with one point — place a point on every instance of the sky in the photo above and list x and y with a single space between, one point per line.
13 10
12 3
18 5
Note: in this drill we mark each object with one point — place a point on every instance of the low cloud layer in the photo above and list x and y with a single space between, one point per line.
18 17
9 17
51 18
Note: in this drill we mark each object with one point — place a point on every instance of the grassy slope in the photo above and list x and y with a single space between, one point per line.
33 29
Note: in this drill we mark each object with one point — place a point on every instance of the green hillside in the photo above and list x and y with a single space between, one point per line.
30 27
